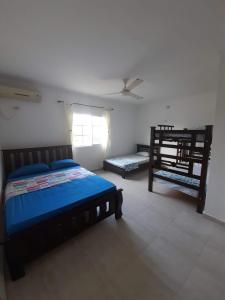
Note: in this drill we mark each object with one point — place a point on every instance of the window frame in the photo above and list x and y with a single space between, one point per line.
102 126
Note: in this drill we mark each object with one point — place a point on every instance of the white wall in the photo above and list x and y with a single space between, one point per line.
34 124
192 112
215 201
43 124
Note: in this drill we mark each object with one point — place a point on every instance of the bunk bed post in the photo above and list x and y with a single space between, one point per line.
159 159
151 158
191 164
204 168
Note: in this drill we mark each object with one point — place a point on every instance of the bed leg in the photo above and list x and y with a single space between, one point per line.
119 202
150 181
150 186
201 204
16 269
15 264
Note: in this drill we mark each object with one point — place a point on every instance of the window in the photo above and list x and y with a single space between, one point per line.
89 130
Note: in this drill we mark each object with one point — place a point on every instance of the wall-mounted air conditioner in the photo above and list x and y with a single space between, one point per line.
19 94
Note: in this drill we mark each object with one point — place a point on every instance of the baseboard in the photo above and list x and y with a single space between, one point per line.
214 219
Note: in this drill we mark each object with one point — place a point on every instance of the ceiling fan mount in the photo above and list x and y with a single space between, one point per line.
128 86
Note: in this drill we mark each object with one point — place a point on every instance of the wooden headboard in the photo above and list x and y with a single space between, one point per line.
16 158
142 148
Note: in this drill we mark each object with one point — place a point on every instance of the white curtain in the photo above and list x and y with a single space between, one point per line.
69 119
108 122
90 157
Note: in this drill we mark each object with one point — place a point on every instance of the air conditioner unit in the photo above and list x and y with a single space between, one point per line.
19 94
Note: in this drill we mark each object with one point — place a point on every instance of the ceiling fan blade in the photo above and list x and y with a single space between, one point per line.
135 96
125 81
134 83
111 94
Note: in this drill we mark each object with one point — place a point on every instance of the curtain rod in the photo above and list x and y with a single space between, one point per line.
76 103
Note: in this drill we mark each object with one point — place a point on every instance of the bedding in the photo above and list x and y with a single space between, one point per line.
128 162
63 163
185 179
143 153
53 196
31 184
28 170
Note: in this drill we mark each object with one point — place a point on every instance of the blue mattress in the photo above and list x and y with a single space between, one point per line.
25 210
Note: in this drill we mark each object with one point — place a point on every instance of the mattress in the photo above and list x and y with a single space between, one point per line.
23 211
181 178
128 162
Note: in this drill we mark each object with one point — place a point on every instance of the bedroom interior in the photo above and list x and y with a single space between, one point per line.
112 132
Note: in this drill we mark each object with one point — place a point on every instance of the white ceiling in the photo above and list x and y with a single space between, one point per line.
90 45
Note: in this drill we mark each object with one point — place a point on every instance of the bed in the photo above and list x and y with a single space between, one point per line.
129 164
39 218
181 157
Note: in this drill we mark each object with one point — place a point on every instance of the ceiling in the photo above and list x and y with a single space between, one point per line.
90 45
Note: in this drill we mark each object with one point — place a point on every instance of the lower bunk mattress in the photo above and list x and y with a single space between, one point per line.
27 205
181 178
192 181
128 162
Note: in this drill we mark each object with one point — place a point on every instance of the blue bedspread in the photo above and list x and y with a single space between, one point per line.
31 208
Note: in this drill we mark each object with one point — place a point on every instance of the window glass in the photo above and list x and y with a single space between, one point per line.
89 130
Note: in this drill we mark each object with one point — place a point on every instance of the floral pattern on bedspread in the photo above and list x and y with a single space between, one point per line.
129 162
23 186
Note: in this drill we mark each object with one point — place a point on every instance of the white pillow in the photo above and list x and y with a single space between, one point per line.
143 153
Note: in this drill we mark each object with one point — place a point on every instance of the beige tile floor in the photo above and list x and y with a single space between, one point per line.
160 249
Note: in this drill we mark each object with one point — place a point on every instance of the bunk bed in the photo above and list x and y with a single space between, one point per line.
174 154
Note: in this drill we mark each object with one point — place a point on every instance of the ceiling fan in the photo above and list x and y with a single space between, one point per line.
126 91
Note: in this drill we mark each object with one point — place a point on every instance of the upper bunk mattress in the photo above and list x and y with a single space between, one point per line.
33 205
128 162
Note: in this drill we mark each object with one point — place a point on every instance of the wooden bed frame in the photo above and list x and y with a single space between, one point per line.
25 245
110 167
192 146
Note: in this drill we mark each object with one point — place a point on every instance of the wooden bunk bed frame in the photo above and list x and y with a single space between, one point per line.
115 169
31 242
192 146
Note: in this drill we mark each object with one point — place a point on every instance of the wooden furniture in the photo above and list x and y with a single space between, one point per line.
121 171
192 146
25 245
166 127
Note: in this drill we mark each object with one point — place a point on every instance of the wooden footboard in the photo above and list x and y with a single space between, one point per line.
36 240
